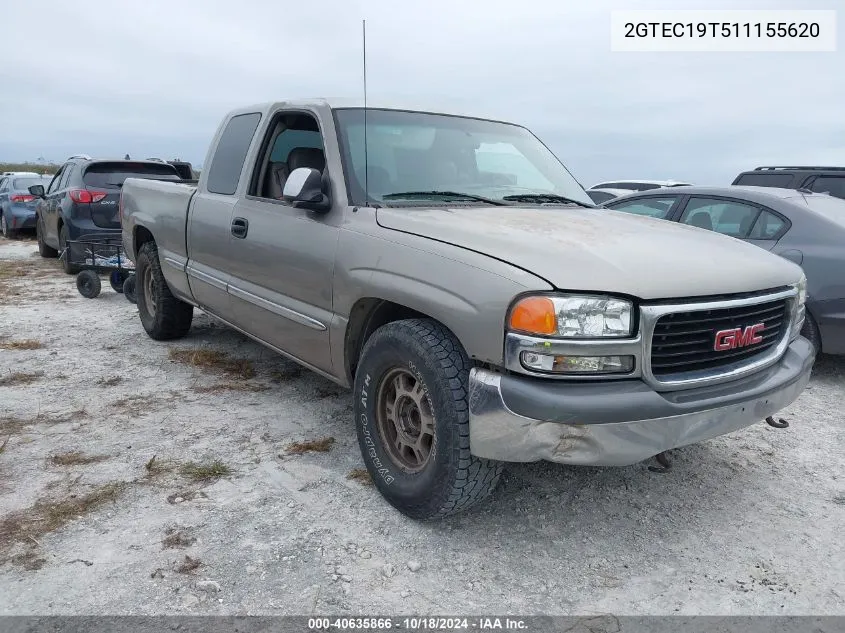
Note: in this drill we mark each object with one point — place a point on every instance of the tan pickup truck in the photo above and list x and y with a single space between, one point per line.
454 274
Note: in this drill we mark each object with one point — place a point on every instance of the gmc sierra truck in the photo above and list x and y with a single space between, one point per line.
455 275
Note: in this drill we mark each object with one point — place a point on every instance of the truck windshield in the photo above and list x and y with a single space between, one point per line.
440 156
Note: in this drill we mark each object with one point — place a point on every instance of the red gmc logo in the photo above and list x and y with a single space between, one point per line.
738 337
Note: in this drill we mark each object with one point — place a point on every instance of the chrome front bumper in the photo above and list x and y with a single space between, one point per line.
616 423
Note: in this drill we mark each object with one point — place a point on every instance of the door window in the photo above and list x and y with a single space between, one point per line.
54 184
651 207
296 142
727 217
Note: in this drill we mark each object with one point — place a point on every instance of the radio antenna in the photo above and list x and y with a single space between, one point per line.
366 156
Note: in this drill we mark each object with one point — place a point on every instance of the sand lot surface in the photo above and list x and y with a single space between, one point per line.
146 478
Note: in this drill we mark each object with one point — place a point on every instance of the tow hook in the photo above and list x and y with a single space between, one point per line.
665 463
780 423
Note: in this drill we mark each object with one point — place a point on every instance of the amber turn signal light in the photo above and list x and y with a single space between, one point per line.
535 315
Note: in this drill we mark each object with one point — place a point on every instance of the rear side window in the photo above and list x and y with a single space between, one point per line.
833 185
763 179
229 156
112 175
652 207
767 226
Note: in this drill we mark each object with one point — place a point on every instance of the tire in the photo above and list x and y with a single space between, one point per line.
88 284
420 366
129 289
8 233
43 250
163 316
69 268
810 331
116 279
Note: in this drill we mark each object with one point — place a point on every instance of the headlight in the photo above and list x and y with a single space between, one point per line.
799 310
572 316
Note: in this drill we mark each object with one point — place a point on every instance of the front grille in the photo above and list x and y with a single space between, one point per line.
684 341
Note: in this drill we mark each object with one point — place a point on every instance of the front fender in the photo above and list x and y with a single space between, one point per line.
467 292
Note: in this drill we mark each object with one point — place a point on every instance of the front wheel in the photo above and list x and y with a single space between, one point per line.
412 419
163 316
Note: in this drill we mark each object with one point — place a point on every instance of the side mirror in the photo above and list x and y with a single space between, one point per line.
305 188
37 191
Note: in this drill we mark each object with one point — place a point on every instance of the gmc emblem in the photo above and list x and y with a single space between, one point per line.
738 337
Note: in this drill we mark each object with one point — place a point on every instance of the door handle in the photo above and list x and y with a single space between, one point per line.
239 227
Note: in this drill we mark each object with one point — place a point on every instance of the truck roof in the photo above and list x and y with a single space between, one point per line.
334 103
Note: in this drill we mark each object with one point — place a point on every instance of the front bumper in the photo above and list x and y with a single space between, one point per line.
617 423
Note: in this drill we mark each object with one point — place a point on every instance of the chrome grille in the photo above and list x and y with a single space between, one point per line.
683 342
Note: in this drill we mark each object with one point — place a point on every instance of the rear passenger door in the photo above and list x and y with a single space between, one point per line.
210 217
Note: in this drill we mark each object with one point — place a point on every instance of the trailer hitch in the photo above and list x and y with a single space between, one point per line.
778 423
664 461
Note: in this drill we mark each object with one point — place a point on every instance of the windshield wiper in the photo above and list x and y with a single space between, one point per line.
545 198
115 184
456 195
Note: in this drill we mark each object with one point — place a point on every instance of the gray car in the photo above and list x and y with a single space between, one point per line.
807 228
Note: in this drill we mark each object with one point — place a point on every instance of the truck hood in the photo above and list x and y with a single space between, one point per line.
601 250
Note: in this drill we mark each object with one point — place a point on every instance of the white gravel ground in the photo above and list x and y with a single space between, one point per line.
751 523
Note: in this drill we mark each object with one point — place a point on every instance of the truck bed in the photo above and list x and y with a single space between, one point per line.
162 208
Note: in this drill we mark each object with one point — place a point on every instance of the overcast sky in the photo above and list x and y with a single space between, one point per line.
153 78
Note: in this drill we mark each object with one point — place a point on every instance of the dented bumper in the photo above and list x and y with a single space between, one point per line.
522 419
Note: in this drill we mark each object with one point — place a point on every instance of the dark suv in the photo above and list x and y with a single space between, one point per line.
830 180
81 202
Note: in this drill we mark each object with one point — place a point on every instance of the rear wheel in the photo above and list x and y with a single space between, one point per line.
8 233
88 283
43 249
69 268
412 418
163 316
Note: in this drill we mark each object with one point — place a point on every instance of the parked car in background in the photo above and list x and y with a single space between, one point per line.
81 201
20 173
829 180
462 282
638 185
600 196
808 229
17 204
